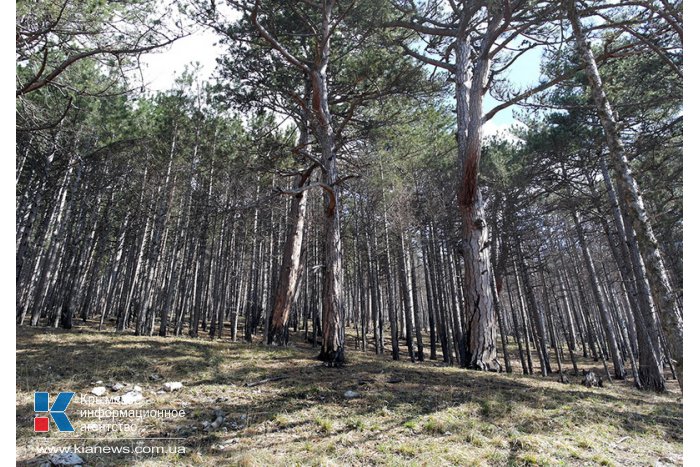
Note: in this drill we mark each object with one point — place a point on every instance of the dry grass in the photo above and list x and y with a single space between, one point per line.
436 415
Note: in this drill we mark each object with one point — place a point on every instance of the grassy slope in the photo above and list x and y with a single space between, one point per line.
435 416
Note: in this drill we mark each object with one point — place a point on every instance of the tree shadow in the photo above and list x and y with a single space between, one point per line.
302 397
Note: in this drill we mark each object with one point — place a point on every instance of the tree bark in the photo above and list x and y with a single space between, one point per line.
631 195
598 295
480 325
291 262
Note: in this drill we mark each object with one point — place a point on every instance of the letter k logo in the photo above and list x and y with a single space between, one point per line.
57 411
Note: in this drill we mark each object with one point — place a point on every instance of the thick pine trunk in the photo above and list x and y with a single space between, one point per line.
480 326
291 267
333 330
481 323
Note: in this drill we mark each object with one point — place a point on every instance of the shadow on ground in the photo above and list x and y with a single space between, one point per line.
404 414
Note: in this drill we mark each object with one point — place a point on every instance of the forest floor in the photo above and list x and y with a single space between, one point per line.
406 414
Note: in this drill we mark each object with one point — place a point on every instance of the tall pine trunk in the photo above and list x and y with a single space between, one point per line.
291 260
631 195
480 325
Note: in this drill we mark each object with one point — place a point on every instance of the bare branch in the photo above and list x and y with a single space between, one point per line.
428 60
39 83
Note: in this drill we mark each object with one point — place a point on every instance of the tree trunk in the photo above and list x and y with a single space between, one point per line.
480 325
291 265
598 295
631 195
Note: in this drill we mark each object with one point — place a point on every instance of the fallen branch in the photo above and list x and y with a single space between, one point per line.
266 380
620 441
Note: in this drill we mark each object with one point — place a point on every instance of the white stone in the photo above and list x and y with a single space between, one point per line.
351 394
131 397
137 388
172 386
99 390
117 387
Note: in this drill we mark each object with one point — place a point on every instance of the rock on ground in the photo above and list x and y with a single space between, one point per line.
117 387
590 379
172 386
131 397
220 416
65 458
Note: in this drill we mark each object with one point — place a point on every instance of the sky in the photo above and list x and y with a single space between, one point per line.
161 69
523 73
